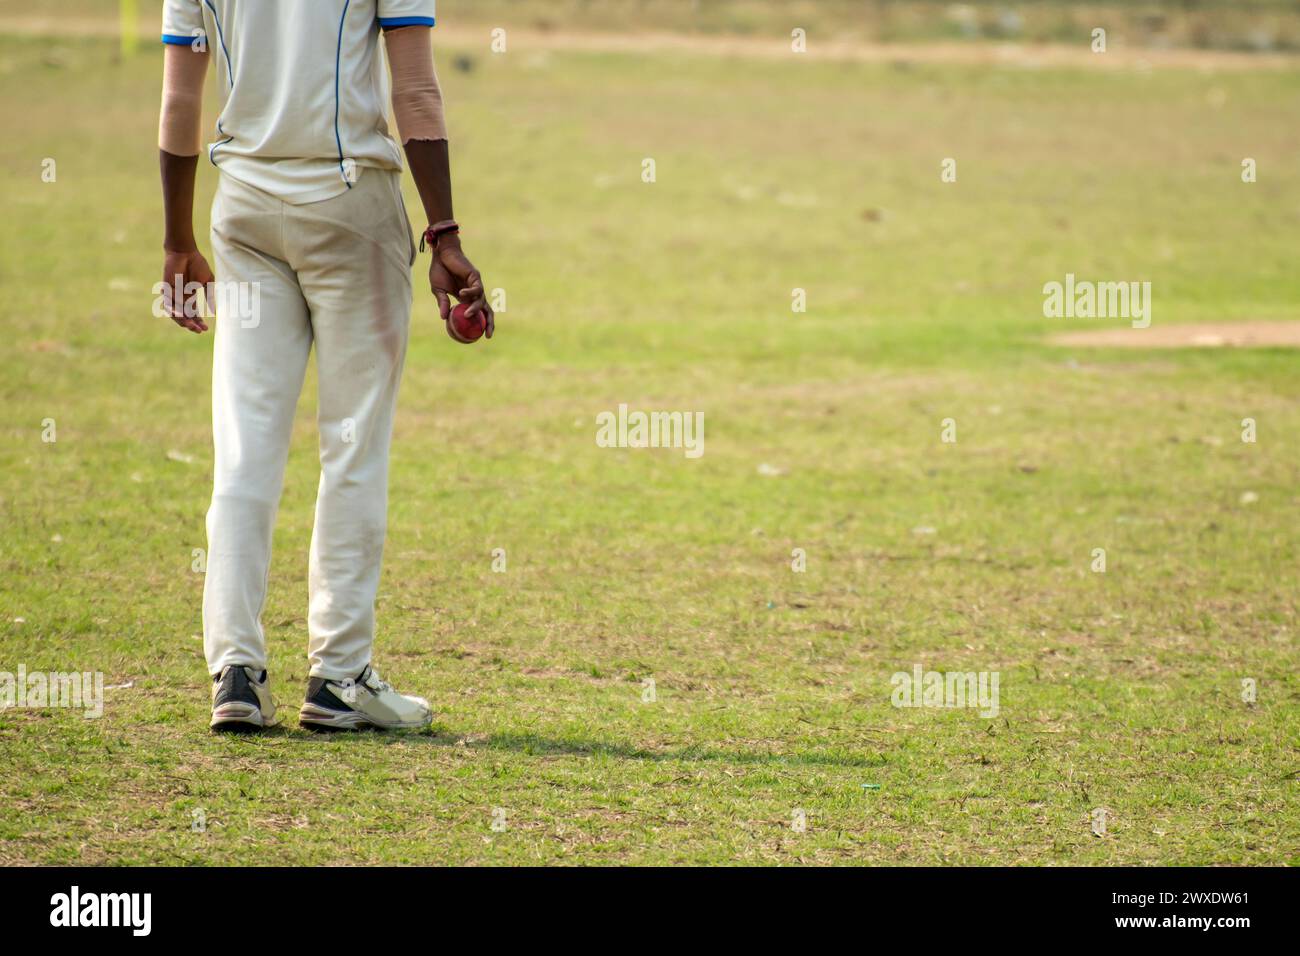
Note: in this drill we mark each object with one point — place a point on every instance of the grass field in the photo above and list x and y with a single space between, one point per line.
1119 690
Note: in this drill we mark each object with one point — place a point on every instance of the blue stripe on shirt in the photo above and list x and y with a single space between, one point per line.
406 21
338 53
221 36
230 75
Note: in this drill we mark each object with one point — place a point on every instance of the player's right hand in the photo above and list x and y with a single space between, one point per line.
182 268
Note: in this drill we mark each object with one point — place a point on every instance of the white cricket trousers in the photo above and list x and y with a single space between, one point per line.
336 273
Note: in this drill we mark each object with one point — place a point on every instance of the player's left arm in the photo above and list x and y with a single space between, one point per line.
417 104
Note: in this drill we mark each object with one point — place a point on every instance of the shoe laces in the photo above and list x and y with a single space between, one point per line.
377 683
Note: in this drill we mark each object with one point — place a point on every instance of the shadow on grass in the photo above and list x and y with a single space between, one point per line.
537 745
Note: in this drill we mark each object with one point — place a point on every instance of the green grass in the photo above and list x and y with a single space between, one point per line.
1118 690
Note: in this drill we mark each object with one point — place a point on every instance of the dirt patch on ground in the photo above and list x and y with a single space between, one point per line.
1201 335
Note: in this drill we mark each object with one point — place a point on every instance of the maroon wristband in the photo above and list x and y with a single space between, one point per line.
437 231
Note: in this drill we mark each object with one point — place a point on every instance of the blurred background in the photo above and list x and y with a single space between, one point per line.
1222 24
1253 25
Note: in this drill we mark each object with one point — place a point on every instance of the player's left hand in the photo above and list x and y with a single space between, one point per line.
451 273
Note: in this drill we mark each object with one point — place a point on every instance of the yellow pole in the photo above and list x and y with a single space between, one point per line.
128 22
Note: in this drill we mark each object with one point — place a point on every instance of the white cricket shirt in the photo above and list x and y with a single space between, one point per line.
306 90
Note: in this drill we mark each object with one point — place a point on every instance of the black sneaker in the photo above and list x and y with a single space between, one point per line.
241 700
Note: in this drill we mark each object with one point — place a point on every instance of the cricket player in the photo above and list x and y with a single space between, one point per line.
311 240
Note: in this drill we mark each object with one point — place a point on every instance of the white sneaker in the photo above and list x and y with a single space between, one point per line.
367 701
241 700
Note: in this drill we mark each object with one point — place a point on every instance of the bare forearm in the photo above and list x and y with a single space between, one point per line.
178 174
431 169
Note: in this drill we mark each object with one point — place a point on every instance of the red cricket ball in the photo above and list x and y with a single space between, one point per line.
465 329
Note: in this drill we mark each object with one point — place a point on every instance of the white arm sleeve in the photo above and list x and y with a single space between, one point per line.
417 99
181 118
